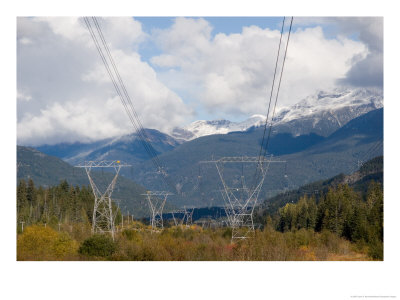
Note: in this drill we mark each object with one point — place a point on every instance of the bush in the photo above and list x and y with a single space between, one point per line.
132 235
98 245
227 234
376 250
64 246
44 243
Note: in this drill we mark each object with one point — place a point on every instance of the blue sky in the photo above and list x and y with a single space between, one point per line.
227 25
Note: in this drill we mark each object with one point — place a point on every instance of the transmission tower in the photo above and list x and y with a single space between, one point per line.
188 216
240 198
103 217
156 201
20 165
175 216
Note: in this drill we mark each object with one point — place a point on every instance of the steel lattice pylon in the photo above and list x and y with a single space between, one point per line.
187 216
175 218
240 201
103 218
156 201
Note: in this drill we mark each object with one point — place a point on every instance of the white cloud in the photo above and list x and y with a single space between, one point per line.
367 71
64 94
23 97
234 72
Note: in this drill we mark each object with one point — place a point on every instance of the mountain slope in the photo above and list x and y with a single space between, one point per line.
359 180
47 170
127 148
317 158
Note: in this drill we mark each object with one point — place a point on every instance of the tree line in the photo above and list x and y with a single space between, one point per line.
341 211
63 203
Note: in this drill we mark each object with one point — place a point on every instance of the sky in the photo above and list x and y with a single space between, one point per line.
180 69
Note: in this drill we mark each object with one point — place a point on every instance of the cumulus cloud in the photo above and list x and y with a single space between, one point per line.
64 94
368 71
233 73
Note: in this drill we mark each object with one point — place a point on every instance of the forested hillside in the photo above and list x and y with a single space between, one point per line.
62 204
359 180
309 158
47 171
351 206
341 211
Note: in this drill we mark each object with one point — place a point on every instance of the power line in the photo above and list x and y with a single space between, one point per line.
141 131
262 147
375 146
273 85
279 86
124 96
141 128
134 121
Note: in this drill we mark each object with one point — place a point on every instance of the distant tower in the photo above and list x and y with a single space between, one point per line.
177 220
103 218
156 201
188 216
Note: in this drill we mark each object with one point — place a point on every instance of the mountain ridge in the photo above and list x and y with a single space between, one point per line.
317 159
46 170
321 113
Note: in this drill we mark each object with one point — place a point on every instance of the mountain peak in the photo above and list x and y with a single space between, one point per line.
201 128
325 111
322 112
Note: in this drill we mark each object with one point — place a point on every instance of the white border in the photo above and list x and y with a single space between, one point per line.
203 280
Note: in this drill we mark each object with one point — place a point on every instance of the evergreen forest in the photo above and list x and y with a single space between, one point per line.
54 223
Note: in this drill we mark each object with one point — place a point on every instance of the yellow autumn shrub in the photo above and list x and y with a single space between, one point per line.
44 243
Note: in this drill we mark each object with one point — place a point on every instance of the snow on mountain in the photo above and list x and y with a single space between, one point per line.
331 101
202 127
321 113
324 112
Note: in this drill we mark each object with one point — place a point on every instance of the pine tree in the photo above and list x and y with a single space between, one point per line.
31 194
21 200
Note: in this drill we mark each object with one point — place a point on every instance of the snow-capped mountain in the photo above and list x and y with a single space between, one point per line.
321 113
202 127
324 112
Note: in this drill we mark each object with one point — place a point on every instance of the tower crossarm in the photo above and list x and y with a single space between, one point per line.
102 164
244 159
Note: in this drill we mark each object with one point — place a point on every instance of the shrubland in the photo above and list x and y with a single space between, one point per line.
190 244
342 225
